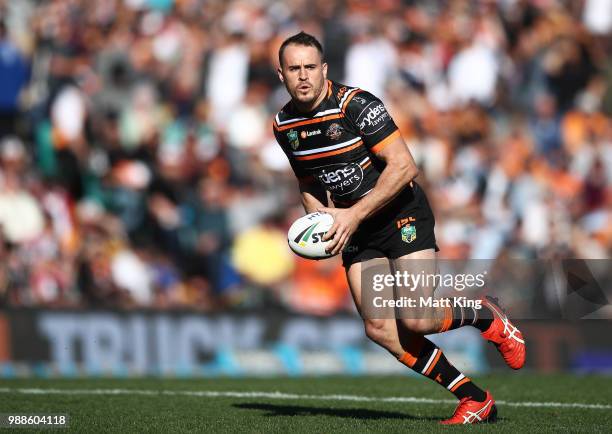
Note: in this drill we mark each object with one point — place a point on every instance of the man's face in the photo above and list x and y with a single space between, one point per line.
304 75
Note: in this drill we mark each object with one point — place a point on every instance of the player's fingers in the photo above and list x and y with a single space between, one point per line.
331 245
334 241
337 241
340 245
344 244
330 232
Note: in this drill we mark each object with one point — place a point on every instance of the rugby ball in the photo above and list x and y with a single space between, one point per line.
306 234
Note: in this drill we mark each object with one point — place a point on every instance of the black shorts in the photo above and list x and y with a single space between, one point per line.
405 225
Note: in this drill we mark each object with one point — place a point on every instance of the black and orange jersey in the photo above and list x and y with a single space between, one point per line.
336 144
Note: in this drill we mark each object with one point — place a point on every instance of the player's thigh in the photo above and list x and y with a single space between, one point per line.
420 268
354 275
418 272
380 326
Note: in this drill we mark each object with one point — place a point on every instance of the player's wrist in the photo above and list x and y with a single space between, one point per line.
360 211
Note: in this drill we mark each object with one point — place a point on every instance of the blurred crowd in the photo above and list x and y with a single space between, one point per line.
138 166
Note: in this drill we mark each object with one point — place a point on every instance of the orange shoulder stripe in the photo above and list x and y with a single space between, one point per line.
384 142
349 99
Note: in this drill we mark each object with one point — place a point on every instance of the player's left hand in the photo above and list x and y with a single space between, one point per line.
345 225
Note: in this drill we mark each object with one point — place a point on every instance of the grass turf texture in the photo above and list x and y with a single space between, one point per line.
172 413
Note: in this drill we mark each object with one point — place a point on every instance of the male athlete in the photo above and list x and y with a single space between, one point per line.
341 140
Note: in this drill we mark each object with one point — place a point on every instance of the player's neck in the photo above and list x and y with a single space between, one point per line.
307 108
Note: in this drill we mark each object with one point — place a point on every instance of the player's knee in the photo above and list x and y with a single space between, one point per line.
420 326
377 329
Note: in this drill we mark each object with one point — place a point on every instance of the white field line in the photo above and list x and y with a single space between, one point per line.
287 396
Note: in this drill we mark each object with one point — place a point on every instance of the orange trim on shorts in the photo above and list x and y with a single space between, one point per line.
433 364
308 122
369 163
384 142
330 153
465 380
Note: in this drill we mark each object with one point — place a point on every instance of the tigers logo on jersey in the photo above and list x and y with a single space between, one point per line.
293 139
334 131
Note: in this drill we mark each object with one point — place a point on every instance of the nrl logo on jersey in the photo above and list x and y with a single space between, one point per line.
408 233
293 139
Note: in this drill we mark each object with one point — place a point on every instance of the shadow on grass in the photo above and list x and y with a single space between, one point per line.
353 413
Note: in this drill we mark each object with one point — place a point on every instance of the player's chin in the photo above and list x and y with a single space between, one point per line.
304 98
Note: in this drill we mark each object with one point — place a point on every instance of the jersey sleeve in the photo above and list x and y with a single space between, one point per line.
283 142
373 121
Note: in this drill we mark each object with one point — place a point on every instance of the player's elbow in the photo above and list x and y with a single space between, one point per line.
408 172
412 172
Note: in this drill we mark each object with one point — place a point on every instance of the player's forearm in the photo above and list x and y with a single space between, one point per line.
392 180
310 203
313 197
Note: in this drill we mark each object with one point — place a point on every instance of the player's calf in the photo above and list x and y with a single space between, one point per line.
384 333
420 326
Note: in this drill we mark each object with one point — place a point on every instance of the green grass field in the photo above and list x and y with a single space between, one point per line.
308 404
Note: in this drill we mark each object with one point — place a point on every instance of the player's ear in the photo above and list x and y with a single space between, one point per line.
324 68
280 74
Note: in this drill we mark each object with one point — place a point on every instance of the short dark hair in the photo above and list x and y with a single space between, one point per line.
301 38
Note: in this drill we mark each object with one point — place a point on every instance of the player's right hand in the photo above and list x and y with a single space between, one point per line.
345 224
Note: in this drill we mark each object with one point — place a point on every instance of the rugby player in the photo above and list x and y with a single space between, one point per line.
341 140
